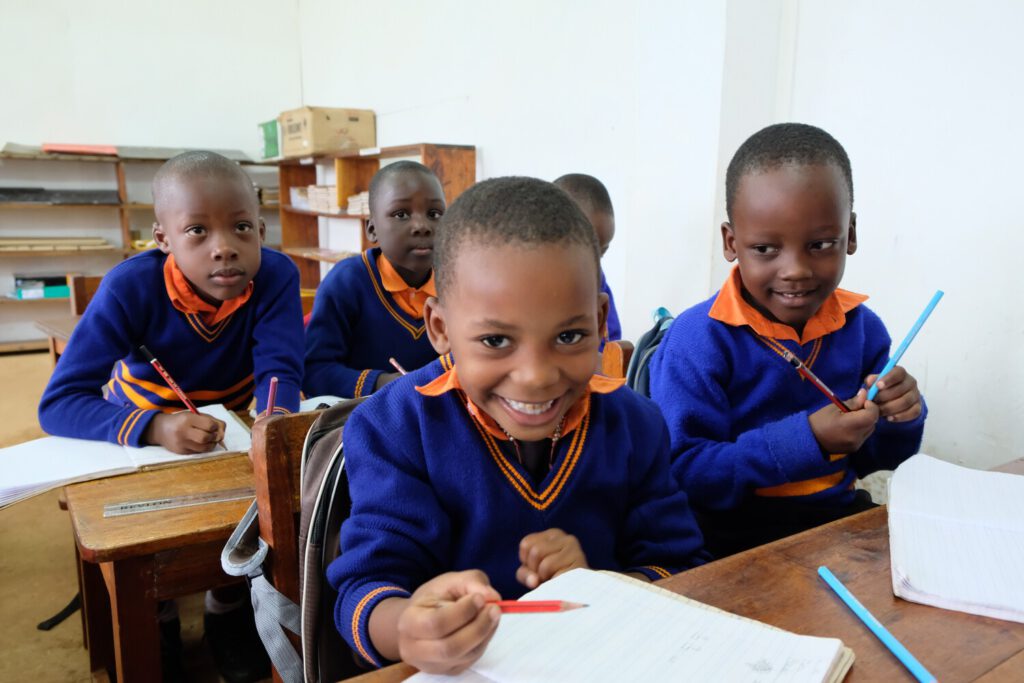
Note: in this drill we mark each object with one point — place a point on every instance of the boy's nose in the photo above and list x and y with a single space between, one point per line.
224 249
795 268
536 371
421 227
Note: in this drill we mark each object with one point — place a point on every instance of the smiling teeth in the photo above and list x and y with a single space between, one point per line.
792 295
530 408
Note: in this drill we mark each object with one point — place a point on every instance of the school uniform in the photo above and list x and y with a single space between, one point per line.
436 487
364 313
216 354
738 412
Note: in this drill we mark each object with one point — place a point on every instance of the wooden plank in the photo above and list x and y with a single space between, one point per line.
27 345
455 167
133 611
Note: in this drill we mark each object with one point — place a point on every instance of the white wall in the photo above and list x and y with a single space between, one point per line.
628 94
187 73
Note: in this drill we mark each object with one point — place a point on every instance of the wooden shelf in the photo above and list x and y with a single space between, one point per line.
319 254
61 252
27 345
323 214
49 205
5 299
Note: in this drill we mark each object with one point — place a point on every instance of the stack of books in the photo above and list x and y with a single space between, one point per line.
323 198
39 286
359 204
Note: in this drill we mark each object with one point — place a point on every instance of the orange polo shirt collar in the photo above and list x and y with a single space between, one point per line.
449 381
185 299
732 309
409 299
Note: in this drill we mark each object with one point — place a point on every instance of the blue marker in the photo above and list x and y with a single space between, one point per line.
873 391
889 640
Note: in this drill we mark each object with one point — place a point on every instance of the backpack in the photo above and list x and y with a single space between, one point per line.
638 375
325 504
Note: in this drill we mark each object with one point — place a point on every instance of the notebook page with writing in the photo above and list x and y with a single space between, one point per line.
41 464
635 631
956 537
236 437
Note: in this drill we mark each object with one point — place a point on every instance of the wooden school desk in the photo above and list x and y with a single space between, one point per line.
58 330
128 563
778 584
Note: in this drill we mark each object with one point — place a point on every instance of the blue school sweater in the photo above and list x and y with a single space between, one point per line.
222 363
432 492
355 328
738 412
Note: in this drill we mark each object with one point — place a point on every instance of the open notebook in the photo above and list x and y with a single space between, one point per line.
36 466
634 631
956 536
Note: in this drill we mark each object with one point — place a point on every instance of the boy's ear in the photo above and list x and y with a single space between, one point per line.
437 329
602 315
728 242
371 231
263 231
851 237
160 237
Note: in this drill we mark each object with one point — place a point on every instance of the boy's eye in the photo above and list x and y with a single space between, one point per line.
495 341
244 227
401 213
571 337
823 245
765 249
435 213
195 230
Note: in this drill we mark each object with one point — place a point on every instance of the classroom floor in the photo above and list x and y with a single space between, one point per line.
37 560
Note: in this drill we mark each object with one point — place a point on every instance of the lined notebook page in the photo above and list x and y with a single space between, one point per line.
236 438
635 631
956 536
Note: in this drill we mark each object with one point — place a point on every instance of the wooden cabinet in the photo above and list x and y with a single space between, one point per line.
318 239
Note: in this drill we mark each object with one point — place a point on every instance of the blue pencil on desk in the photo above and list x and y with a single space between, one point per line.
873 391
889 640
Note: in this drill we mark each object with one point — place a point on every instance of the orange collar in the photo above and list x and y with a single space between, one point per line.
449 381
410 299
731 309
185 299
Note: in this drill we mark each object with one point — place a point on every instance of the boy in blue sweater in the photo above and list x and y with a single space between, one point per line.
222 314
592 197
507 461
370 309
762 453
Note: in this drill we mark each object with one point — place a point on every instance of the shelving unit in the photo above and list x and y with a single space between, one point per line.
120 223
315 239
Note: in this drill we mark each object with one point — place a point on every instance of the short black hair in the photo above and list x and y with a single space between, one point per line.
198 163
781 144
510 210
587 191
395 168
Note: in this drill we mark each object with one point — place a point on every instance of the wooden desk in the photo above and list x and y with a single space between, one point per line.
58 330
778 584
127 564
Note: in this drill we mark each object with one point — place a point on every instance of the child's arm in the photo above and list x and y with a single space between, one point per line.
72 404
442 628
715 465
546 554
277 335
329 338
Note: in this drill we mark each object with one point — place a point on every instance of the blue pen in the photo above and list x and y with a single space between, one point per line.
873 391
889 640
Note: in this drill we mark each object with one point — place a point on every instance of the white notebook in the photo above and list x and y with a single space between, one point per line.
36 466
634 631
956 536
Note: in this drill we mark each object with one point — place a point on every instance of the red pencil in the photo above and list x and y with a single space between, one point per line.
173 385
534 606
271 397
813 379
170 381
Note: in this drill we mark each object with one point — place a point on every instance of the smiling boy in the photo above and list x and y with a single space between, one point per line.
761 453
370 309
507 461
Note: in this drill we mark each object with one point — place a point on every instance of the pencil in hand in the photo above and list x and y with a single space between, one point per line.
813 379
534 606
173 385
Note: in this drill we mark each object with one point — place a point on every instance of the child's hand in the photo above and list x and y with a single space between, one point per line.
898 398
447 624
184 432
839 432
546 554
385 377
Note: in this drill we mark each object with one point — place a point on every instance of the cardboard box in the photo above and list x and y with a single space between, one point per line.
318 130
270 134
